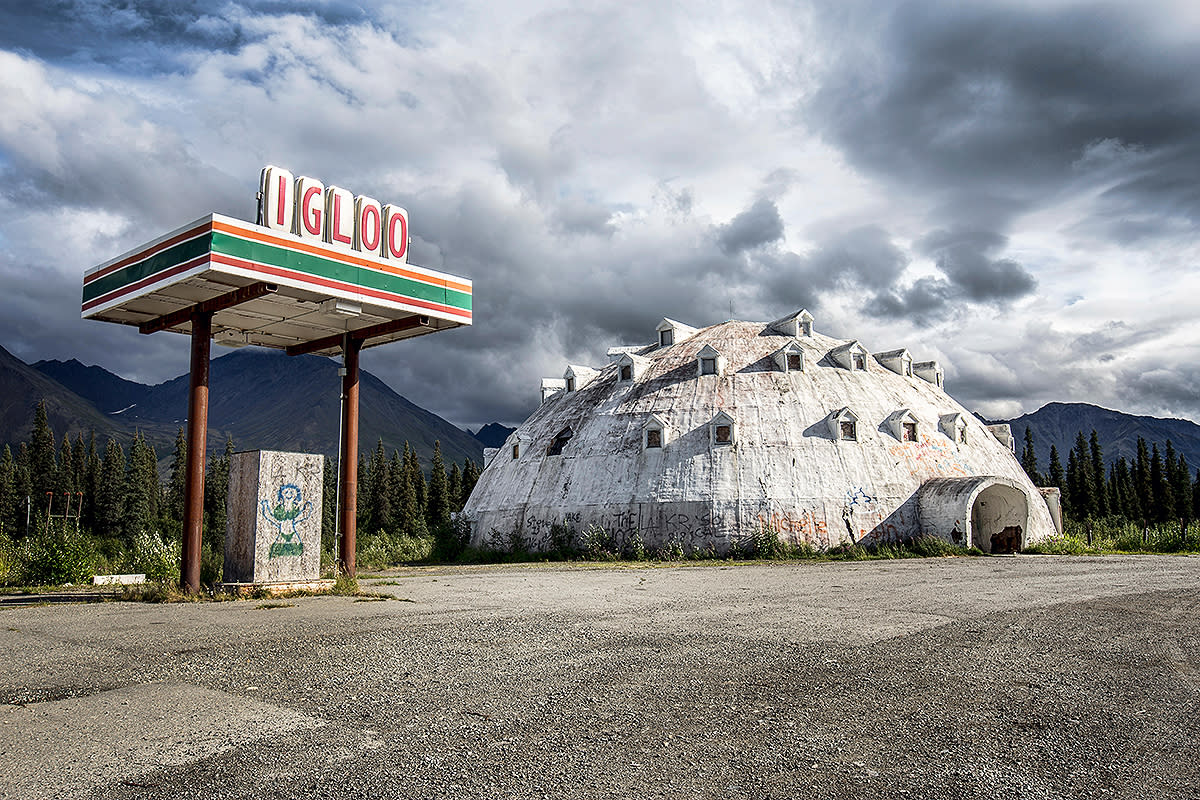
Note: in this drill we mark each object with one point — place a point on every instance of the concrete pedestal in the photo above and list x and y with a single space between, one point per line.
273 532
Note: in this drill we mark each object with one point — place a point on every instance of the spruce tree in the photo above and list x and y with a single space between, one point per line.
437 509
1055 470
395 491
378 500
43 470
1099 501
417 478
1029 460
216 494
65 483
411 517
8 492
177 482
1143 488
470 478
110 500
91 484
141 489
454 488
79 464
1162 503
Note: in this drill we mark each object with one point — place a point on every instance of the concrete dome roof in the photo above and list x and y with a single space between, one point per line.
745 425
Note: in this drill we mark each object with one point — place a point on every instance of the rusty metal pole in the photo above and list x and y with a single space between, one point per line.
349 443
193 498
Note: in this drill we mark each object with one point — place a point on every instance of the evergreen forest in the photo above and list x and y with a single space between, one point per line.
73 509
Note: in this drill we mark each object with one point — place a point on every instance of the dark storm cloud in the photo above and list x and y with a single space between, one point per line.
989 110
758 225
924 303
965 258
137 36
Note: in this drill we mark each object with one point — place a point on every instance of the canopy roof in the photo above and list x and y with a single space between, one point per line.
272 289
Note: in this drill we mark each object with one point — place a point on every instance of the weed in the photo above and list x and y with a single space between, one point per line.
275 605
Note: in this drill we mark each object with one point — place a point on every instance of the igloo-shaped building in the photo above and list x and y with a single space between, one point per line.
709 436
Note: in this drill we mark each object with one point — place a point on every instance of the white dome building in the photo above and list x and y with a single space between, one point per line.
711 435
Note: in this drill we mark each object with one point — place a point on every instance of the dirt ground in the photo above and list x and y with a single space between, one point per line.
1022 677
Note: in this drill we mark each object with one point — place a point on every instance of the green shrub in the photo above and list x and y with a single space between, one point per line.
56 553
383 549
157 558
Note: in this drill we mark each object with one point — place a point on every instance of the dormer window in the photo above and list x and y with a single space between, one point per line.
790 357
851 356
904 425
560 441
929 371
843 425
577 376
630 367
955 427
654 433
516 451
709 361
672 332
722 430
898 361
798 324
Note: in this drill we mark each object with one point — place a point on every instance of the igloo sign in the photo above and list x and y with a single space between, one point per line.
307 208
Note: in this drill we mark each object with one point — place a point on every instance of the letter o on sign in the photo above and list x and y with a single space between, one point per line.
395 233
368 224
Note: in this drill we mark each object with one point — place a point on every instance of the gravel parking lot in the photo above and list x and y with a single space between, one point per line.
1028 676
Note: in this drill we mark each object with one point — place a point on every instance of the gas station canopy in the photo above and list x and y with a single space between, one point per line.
273 289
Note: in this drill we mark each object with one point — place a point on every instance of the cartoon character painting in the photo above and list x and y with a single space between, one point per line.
288 512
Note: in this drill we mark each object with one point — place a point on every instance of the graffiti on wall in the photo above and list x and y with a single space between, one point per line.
288 511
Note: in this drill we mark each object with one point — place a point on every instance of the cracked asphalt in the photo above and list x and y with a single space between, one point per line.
1023 677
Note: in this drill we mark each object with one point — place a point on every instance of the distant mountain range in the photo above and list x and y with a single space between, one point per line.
263 399
1057 424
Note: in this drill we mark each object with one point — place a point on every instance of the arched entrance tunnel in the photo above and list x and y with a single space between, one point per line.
991 512
999 519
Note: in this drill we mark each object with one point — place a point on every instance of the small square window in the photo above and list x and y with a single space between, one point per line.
860 361
708 366
795 362
627 372
653 438
848 430
724 434
666 338
516 451
910 431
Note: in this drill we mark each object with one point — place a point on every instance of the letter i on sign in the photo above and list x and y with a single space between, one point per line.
395 233
368 224
278 198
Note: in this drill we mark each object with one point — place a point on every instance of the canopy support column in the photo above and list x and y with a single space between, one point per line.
349 450
197 443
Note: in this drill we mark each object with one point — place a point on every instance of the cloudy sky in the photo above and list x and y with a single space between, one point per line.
1012 188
